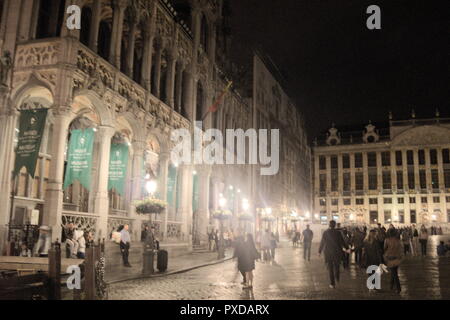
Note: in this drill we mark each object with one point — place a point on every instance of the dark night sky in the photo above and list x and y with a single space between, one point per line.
338 70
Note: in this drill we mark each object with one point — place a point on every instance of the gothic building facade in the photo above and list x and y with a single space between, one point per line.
134 72
398 174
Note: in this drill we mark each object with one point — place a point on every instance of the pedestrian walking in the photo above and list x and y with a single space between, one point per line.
249 256
273 245
406 240
239 254
211 240
372 255
392 257
415 240
125 240
265 245
333 245
423 239
358 244
441 249
307 241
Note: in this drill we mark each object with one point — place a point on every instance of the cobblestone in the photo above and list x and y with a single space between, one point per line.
292 278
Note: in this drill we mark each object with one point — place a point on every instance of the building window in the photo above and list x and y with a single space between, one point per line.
448 215
346 161
323 202
322 163
433 156
347 201
398 158
387 200
372 180
387 216
400 200
373 217
334 180
323 182
385 158
423 200
422 179
371 159
447 199
410 158
401 216
447 178
373 201
411 180
434 179
386 180
358 160
359 181
446 155
412 200
334 162
413 217
334 202
436 200
346 181
421 157
399 180
360 201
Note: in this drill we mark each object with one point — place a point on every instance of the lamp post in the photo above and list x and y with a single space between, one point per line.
149 245
221 251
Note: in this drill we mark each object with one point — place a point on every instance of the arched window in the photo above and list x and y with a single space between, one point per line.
204 34
104 39
86 16
51 15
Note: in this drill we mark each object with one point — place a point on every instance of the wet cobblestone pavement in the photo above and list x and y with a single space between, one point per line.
293 278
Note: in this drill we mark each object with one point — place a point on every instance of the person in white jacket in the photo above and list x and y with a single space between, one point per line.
81 239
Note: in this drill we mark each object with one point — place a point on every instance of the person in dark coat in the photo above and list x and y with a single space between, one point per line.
248 256
393 257
307 240
333 245
358 244
239 254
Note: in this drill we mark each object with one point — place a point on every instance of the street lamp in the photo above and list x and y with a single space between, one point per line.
221 251
151 187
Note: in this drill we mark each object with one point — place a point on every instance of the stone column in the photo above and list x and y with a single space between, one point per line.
54 194
428 169
440 170
200 236
157 75
365 172
130 50
136 182
95 24
146 70
179 87
117 30
188 96
170 81
101 201
164 159
8 120
186 202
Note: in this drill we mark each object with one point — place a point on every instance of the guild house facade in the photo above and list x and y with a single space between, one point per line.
397 174
134 72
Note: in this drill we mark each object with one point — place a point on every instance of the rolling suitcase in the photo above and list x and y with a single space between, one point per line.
162 260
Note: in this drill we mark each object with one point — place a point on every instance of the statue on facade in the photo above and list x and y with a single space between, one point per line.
5 66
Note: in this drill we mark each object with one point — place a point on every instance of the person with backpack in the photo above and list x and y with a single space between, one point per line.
125 240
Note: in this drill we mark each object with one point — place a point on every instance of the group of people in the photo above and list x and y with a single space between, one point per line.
269 243
214 238
306 238
377 247
76 241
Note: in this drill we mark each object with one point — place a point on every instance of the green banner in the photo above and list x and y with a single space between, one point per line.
195 193
31 129
118 164
79 158
171 184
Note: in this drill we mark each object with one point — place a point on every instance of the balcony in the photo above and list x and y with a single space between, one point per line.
44 57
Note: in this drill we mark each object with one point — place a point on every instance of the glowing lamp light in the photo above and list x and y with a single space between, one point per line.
352 216
194 172
307 214
231 187
316 216
147 176
151 186
433 217
245 204
222 202
269 210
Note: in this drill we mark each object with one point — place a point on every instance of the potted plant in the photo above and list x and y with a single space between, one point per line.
245 217
221 214
150 205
